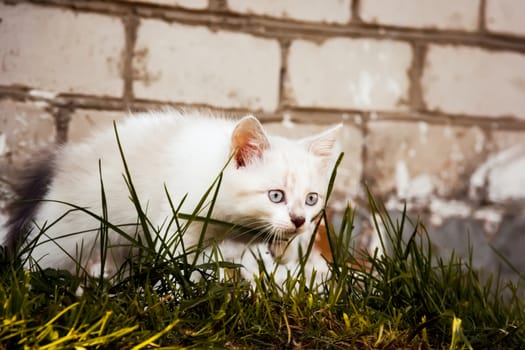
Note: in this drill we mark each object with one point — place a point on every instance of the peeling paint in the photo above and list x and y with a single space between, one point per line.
48 95
402 178
506 182
423 132
443 209
491 218
421 186
3 145
500 189
287 121
41 104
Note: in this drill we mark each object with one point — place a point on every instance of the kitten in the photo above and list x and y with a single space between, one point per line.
272 186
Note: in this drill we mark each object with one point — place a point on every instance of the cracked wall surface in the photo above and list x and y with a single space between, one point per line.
431 93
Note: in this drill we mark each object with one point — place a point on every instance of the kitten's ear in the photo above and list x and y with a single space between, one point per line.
322 145
248 141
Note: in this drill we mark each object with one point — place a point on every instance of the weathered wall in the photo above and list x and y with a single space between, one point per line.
431 92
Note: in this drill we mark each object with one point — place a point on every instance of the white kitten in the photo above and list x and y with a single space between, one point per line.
273 186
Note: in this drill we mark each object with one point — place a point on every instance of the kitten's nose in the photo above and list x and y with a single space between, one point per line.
298 221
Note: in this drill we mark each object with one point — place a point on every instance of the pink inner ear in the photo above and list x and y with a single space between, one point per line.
248 141
245 153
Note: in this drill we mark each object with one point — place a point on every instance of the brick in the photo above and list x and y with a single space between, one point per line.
420 159
190 4
349 73
505 16
427 14
61 50
25 129
85 121
465 80
349 173
328 11
192 64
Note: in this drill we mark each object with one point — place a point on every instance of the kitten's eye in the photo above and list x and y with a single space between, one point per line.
276 196
312 198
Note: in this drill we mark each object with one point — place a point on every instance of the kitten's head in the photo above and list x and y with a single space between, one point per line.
275 185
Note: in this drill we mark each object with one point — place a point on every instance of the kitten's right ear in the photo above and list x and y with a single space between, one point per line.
322 145
248 141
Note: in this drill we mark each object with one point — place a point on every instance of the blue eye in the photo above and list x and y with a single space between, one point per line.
311 198
276 196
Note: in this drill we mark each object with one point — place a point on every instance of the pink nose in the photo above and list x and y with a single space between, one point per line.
298 221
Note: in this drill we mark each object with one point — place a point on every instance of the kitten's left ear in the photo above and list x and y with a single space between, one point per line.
248 141
322 145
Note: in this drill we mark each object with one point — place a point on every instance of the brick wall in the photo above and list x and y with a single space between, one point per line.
431 92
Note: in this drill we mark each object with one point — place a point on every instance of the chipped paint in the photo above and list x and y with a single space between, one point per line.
491 218
402 178
423 132
421 187
287 121
480 178
443 209
506 182
3 145
41 104
48 95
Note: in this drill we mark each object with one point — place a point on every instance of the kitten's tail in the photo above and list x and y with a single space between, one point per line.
30 188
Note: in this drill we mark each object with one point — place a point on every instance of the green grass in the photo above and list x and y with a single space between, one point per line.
406 299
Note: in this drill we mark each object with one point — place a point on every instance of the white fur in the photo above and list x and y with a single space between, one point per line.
184 152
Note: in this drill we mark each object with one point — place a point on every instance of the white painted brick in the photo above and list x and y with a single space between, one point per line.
25 128
190 4
505 16
85 121
192 64
438 14
328 11
473 81
61 50
349 73
419 158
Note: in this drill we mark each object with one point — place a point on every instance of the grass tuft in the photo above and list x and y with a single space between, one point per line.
408 298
